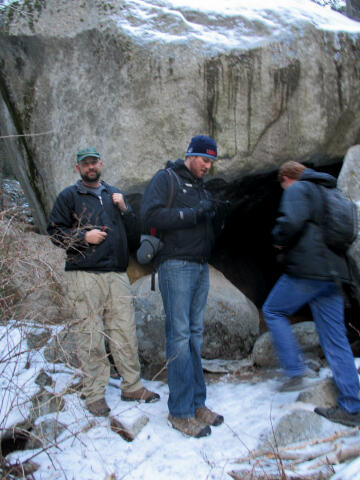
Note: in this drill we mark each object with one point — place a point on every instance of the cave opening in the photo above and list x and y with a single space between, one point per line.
244 251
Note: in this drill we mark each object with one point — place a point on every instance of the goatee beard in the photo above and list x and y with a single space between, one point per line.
90 180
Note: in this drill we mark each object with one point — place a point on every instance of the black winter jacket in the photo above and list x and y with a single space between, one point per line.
297 229
184 237
77 211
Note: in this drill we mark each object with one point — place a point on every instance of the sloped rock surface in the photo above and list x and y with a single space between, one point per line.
138 79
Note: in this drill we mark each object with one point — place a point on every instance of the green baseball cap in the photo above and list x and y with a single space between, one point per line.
87 152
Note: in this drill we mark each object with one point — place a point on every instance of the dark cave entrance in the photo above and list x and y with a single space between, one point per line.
244 252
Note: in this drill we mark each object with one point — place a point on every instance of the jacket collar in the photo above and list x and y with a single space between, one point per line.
80 187
181 169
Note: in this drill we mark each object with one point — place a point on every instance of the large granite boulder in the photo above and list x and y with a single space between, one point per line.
138 79
231 323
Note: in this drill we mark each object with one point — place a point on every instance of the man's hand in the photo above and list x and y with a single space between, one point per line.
205 207
118 200
278 247
95 236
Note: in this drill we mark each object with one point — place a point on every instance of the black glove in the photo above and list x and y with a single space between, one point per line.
223 208
204 209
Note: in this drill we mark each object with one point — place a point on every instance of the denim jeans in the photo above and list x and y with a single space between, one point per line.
184 289
327 307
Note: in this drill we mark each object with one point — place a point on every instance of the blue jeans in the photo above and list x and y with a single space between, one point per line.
327 307
184 288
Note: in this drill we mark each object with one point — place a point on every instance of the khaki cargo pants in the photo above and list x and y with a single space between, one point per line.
103 308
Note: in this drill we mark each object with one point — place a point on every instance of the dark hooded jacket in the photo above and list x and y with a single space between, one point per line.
184 236
77 211
298 230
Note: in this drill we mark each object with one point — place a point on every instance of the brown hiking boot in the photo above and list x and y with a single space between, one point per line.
189 426
99 408
141 395
205 415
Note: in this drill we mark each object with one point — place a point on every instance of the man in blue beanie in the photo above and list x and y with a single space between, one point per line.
187 223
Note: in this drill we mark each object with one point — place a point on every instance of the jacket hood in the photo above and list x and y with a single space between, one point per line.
318 177
170 164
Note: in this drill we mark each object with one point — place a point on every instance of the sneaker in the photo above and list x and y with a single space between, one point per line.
140 395
99 408
339 415
189 426
206 416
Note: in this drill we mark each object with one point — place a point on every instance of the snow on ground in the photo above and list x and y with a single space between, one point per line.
89 450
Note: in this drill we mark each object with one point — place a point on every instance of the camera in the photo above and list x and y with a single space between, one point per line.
149 247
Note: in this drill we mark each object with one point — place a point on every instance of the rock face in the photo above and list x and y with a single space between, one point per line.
349 184
353 9
138 79
231 323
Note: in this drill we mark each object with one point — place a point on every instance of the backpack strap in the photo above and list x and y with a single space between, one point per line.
172 187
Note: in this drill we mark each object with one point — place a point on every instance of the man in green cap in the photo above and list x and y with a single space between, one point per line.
94 223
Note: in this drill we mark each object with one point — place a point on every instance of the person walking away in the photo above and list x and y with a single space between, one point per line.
313 274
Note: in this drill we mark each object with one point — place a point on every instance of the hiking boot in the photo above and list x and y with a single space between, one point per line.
189 426
206 416
141 395
293 384
99 408
299 382
339 415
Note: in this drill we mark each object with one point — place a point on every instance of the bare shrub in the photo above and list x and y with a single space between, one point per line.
31 299
31 281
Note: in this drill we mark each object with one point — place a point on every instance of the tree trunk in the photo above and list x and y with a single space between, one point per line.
353 9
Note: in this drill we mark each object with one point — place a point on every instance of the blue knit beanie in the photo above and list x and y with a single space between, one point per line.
202 146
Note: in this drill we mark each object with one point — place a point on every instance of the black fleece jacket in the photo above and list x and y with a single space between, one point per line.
76 211
185 237
297 229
